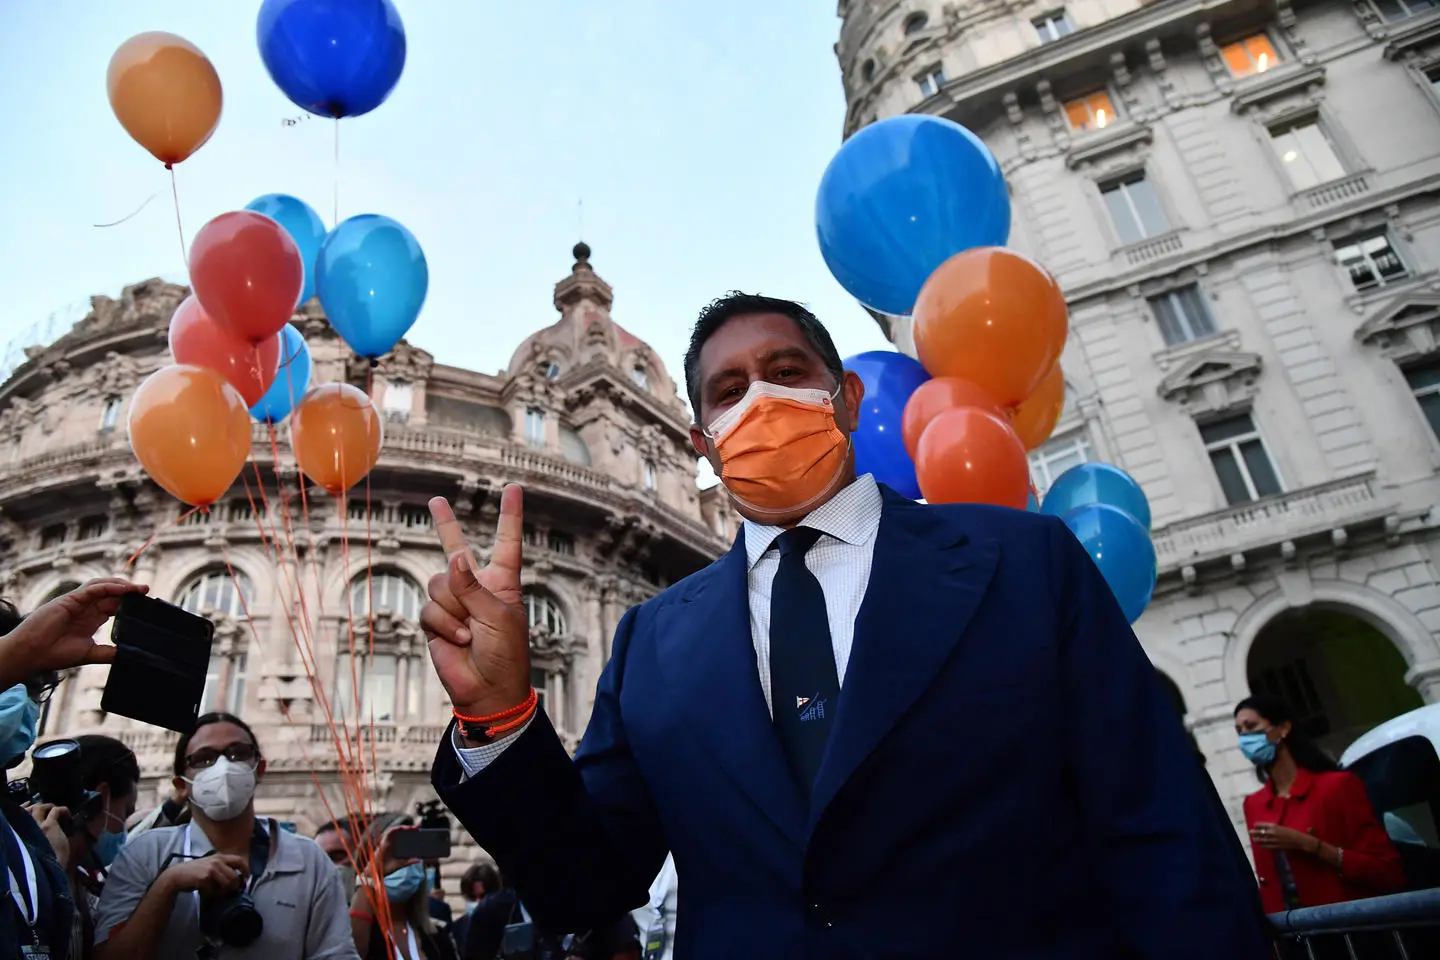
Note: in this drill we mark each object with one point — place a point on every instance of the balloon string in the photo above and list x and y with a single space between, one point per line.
179 227
151 539
116 223
335 187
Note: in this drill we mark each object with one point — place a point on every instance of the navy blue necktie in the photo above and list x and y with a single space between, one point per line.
804 684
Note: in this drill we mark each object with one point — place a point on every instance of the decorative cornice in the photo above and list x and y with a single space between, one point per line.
1412 36
1288 79
1213 382
1406 329
1116 138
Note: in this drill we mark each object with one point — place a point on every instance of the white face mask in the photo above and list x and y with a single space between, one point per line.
223 790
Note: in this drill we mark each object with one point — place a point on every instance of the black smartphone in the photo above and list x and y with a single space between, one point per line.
421 844
161 658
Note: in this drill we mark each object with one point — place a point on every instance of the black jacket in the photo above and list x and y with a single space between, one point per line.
48 871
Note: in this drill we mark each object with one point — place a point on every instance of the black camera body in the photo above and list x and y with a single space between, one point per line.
232 920
55 778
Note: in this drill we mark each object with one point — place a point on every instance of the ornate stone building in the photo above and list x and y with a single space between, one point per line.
1242 203
585 417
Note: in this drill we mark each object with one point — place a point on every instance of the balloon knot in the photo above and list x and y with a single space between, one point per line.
374 363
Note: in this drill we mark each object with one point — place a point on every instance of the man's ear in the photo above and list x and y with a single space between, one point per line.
852 391
182 789
260 769
698 440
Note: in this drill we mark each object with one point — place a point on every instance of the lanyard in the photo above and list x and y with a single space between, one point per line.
29 903
414 947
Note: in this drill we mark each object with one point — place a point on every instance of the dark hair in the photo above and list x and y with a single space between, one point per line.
9 617
107 760
737 304
1306 752
339 825
206 719
483 872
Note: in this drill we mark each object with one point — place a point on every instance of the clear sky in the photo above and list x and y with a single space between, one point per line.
695 132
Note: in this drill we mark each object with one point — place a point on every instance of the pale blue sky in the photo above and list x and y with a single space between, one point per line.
696 133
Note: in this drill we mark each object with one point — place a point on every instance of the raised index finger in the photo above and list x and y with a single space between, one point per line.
452 538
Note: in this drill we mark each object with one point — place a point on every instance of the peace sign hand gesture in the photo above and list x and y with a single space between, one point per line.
475 622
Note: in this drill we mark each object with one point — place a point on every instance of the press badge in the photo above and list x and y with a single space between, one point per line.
34 952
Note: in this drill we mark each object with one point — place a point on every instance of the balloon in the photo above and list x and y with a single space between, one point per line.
330 58
968 455
1034 420
247 273
1032 505
936 396
890 378
372 278
291 380
165 93
993 317
1102 483
1121 549
304 226
901 196
336 433
189 429
198 341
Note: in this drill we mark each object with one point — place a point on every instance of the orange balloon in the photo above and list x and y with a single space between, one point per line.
336 433
165 93
969 455
1035 419
993 317
191 431
934 397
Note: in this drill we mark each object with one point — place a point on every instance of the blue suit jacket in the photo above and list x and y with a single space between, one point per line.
1005 777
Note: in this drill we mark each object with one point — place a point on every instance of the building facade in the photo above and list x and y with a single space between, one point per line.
1242 203
585 417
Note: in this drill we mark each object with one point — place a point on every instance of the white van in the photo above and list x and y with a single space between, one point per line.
1399 761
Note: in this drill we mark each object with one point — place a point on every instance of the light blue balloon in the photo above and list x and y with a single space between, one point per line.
291 380
302 223
900 198
1121 548
1097 483
1032 505
372 278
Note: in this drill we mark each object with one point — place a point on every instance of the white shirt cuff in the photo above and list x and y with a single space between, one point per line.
475 759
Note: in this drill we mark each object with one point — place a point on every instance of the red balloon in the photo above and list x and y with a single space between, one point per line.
934 397
197 340
969 455
247 273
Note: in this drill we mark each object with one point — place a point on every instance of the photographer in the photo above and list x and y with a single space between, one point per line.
227 884
109 772
405 892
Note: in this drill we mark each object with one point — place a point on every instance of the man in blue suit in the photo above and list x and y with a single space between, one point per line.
872 729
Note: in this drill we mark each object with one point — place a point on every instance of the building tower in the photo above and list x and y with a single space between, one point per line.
1242 204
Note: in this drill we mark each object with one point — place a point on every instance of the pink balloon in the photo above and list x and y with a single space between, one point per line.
198 340
247 273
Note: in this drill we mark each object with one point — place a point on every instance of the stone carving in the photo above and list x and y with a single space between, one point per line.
1213 382
1155 55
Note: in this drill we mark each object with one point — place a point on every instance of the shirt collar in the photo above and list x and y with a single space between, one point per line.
851 516
1299 787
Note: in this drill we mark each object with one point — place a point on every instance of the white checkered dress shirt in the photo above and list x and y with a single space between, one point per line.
840 560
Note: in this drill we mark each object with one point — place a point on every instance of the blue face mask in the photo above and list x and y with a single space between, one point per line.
107 846
1257 748
402 884
18 716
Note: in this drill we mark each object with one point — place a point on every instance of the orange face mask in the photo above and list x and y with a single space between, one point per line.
780 451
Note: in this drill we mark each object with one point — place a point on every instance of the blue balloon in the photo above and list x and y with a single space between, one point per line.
371 278
291 380
304 226
1121 548
1097 483
900 198
1032 505
335 58
889 380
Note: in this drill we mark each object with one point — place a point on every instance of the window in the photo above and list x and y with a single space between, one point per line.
93 528
1090 113
544 612
1135 209
1370 259
1306 154
1238 455
1055 456
398 398
377 676
931 81
915 23
242 512
1250 56
535 427
1433 75
648 474
214 593
561 543
867 71
1400 9
52 536
550 370
1053 26
110 413
540 680
1182 315
413 518
1424 382
224 684
390 592
639 377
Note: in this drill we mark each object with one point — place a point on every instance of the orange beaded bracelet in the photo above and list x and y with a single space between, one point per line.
494 725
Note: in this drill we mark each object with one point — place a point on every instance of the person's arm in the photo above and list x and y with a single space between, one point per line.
59 634
1368 859
134 911
328 935
580 839
1159 848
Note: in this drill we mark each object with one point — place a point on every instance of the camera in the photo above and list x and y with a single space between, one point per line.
232 920
55 778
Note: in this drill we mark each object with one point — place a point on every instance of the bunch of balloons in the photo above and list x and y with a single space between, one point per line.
1108 513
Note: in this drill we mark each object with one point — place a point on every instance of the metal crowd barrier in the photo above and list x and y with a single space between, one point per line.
1404 926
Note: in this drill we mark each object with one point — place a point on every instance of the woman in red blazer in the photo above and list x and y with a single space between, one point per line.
1313 831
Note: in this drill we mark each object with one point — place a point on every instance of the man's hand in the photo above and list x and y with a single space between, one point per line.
478 634
60 635
213 876
48 816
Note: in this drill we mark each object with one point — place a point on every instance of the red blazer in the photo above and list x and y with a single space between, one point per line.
1335 808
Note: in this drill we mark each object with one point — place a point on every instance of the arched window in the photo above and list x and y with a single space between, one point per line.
213 592
544 612
867 71
915 23
390 591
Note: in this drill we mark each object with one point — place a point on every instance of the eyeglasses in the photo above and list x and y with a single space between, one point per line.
235 753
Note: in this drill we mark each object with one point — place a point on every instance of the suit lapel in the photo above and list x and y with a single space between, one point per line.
707 653
926 582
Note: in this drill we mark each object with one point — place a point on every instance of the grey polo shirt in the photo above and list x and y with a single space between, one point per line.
299 896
